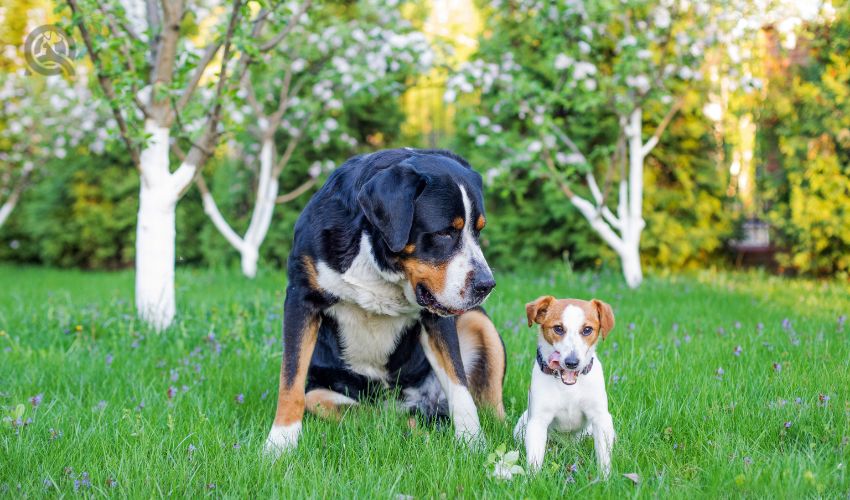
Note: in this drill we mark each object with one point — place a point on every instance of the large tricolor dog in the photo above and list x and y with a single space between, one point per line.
386 279
567 391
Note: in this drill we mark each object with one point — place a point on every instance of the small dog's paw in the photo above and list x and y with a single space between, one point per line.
282 438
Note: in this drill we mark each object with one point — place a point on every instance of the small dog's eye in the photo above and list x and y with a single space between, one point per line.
587 331
558 329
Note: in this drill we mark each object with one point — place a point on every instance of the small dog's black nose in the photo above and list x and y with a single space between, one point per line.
571 361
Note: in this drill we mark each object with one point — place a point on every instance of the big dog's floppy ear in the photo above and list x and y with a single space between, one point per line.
387 200
606 317
536 311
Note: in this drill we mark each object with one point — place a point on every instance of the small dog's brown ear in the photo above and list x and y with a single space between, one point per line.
536 311
606 317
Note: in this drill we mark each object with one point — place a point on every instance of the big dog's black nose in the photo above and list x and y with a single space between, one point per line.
483 287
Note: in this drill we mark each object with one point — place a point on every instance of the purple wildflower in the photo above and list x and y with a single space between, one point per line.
100 405
798 400
140 406
787 425
36 400
737 351
675 327
631 326
111 482
748 461
55 434
823 399
85 481
687 338
210 486
760 326
240 398
841 320
171 391
191 450
786 323
572 467
264 395
236 446
47 483
184 388
108 359
135 344
721 330
777 367
737 325
173 374
719 373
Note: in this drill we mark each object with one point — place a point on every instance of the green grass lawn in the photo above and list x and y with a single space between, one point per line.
720 385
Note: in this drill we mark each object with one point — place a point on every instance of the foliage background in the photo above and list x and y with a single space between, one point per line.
80 210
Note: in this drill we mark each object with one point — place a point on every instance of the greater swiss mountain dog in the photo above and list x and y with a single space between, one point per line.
386 279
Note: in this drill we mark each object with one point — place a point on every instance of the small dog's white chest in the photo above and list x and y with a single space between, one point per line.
368 339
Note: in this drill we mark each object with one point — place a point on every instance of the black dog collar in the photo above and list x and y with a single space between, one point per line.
544 366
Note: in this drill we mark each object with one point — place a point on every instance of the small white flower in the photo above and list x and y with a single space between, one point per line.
584 47
562 62
481 140
298 65
535 146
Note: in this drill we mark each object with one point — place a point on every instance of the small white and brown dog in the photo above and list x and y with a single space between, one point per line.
567 391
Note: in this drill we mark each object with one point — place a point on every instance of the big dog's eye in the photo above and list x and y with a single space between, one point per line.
558 329
587 331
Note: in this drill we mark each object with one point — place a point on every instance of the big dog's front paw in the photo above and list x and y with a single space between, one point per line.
282 438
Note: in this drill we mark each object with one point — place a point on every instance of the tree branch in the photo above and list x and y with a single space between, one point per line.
105 83
295 193
289 27
211 209
199 153
653 141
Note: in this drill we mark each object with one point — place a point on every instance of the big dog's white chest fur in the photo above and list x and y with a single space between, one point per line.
374 308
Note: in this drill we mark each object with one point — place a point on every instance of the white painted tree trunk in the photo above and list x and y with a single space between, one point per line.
267 191
12 201
6 210
156 231
621 231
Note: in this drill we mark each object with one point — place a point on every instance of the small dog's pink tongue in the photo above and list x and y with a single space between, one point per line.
554 361
569 377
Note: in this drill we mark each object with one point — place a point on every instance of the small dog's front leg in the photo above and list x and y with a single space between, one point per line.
536 433
603 441
440 344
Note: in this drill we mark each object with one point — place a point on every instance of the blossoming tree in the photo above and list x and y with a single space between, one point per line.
166 69
545 67
297 91
43 119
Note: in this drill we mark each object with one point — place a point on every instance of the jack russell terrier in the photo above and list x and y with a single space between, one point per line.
567 391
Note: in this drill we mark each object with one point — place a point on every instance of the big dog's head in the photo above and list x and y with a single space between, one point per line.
429 211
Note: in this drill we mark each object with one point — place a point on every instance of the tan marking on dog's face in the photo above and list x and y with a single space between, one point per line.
290 398
310 271
458 223
433 276
480 223
409 248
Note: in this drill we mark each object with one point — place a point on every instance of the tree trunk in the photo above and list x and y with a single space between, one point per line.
155 241
155 231
630 261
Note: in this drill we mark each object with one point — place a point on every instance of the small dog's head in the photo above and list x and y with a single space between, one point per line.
569 330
